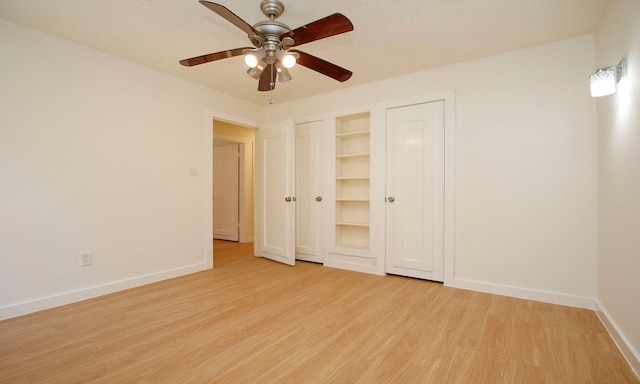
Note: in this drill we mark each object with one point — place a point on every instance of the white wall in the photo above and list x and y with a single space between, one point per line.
526 166
94 156
618 36
95 151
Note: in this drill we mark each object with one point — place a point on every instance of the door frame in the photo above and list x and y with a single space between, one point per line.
416 219
378 204
208 120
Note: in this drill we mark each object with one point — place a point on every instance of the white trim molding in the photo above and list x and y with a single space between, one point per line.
209 116
69 297
449 98
630 353
525 293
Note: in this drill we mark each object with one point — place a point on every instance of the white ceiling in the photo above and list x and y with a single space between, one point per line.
390 37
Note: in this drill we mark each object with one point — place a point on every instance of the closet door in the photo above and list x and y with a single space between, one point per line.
275 200
415 191
308 194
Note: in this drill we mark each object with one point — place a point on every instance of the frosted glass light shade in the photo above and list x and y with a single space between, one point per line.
283 73
256 71
288 61
603 82
251 60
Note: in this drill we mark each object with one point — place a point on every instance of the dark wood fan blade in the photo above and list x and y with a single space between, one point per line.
329 26
232 18
267 80
324 67
212 57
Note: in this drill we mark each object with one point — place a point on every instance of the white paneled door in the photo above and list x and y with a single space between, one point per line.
415 191
226 172
275 199
308 191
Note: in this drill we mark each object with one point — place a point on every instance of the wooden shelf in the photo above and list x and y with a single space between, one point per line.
352 182
352 156
347 178
345 224
351 247
352 135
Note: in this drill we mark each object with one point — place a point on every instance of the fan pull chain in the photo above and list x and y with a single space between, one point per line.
272 84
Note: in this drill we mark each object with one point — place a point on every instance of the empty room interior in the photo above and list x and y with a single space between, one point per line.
320 192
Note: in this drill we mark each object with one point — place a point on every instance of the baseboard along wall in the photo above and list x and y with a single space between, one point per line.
64 298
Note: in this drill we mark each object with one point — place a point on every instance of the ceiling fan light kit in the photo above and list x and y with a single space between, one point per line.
271 55
251 59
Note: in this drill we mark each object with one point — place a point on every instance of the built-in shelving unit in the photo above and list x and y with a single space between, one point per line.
352 181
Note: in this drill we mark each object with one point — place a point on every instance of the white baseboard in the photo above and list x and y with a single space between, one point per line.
524 293
351 263
625 347
630 353
64 298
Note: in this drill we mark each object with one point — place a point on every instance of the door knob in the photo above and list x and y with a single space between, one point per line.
391 199
318 198
287 199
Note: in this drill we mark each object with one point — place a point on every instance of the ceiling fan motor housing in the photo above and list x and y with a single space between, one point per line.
271 29
272 8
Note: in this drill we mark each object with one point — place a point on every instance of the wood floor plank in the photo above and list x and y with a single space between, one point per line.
252 320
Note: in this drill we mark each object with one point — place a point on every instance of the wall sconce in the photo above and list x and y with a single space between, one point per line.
604 80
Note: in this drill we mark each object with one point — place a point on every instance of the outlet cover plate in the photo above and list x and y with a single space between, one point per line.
86 258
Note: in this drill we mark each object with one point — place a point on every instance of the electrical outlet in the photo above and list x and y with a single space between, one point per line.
85 259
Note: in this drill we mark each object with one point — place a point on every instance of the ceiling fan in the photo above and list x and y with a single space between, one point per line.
271 54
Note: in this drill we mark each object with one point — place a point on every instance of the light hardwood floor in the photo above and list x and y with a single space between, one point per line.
252 320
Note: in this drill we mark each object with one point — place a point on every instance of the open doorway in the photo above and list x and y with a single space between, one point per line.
233 223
